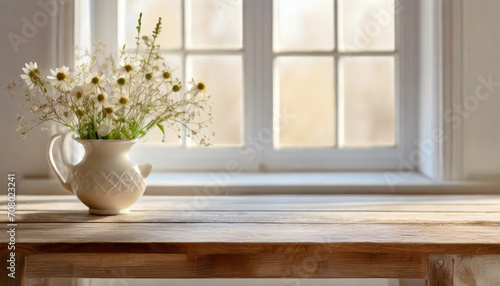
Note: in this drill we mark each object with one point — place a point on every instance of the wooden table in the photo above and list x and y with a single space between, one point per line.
448 240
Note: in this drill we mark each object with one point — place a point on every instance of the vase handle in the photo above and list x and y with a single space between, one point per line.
50 158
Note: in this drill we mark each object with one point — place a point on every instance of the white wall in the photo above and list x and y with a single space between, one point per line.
481 58
16 154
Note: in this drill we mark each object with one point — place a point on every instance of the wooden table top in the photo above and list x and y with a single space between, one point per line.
454 224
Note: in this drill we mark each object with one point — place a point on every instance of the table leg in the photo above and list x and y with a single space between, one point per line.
477 270
440 270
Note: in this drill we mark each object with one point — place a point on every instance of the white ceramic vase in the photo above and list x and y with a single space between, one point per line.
106 179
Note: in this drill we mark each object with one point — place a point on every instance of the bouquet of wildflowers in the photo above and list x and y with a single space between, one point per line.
102 100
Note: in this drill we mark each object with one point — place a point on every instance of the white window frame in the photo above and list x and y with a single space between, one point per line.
406 75
258 100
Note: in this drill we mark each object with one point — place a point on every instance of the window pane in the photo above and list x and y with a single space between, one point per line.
171 136
155 135
367 102
305 91
214 24
223 76
169 10
366 25
303 25
175 62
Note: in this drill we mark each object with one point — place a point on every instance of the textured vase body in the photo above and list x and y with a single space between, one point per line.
106 179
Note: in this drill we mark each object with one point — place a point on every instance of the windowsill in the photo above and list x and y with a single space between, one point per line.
221 183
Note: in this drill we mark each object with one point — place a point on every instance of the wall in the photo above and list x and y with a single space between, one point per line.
16 154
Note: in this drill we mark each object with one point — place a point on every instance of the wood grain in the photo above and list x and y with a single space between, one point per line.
352 203
288 217
322 236
477 270
286 265
256 233
20 268
440 270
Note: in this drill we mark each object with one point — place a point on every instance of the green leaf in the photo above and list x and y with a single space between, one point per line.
161 128
162 131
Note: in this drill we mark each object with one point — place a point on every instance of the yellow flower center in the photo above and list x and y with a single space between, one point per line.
101 97
200 86
121 81
128 68
79 94
95 80
166 75
108 110
123 100
148 76
60 76
176 88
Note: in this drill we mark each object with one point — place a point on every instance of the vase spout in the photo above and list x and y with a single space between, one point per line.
145 170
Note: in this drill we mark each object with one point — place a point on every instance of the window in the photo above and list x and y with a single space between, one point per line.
296 85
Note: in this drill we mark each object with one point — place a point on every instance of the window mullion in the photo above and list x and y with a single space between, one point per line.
183 62
336 108
268 113
105 14
249 87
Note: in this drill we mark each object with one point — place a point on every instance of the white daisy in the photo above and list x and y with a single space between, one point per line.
197 87
176 87
149 76
60 78
100 98
31 66
129 65
121 101
119 82
94 83
77 92
32 73
109 113
166 74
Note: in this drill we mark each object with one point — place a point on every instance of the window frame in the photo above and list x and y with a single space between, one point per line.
375 159
258 61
